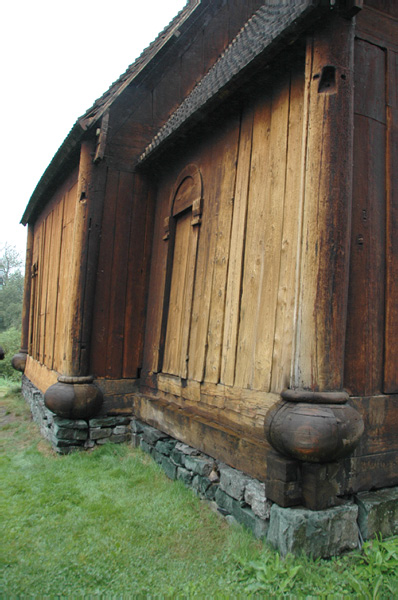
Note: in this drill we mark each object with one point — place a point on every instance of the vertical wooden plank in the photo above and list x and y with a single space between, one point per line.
365 321
272 237
179 292
36 288
157 278
137 280
284 325
68 215
46 301
187 304
54 265
227 174
27 291
327 198
253 270
105 261
118 277
41 294
391 335
210 164
233 294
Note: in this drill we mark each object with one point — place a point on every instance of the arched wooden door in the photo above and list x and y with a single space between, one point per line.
181 233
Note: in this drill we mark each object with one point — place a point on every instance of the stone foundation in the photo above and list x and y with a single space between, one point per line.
67 435
242 499
233 494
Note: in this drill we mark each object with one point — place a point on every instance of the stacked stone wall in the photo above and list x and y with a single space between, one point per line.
235 495
68 435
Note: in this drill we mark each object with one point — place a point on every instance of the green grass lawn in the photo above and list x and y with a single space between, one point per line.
109 523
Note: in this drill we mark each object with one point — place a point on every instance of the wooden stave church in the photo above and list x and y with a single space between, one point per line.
212 248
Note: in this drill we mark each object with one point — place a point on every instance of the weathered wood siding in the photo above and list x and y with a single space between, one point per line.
52 243
135 117
371 363
119 311
242 319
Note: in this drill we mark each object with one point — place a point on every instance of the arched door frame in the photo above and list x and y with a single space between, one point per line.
186 196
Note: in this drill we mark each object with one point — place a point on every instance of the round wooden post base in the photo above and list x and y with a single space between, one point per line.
18 361
74 397
313 427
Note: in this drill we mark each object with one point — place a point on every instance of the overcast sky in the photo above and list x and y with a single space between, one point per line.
58 57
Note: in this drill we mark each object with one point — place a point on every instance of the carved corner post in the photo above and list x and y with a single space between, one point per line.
313 425
18 361
75 396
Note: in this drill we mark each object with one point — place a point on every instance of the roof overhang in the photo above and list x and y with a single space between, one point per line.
270 29
88 121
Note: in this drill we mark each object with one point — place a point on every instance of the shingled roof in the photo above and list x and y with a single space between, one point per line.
276 22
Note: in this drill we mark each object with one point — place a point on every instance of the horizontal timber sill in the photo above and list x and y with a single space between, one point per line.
188 424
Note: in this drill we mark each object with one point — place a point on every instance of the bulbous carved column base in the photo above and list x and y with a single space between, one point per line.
313 427
74 397
312 434
18 361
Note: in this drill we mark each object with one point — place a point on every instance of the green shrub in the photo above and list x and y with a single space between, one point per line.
10 340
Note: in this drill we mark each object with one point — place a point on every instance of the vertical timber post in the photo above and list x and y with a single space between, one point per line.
75 396
313 425
19 360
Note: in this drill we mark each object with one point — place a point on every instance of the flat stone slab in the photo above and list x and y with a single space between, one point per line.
152 435
199 465
233 482
244 515
322 534
378 512
255 496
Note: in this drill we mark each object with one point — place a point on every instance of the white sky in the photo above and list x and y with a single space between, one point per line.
57 58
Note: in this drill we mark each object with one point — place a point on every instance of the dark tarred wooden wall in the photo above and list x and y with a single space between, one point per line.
371 365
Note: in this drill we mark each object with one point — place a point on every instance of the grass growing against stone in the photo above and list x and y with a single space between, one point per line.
110 523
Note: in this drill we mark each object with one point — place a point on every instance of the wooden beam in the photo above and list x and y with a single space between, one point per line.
326 209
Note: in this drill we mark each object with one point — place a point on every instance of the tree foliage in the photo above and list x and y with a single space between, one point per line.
11 288
10 340
11 298
10 261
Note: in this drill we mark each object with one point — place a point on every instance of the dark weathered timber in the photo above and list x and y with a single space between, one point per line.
391 353
326 216
137 276
365 321
218 441
312 432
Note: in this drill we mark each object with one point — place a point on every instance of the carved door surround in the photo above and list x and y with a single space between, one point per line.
181 232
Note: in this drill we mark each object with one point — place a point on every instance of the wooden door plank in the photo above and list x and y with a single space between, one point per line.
188 297
234 281
227 175
284 325
178 299
391 335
